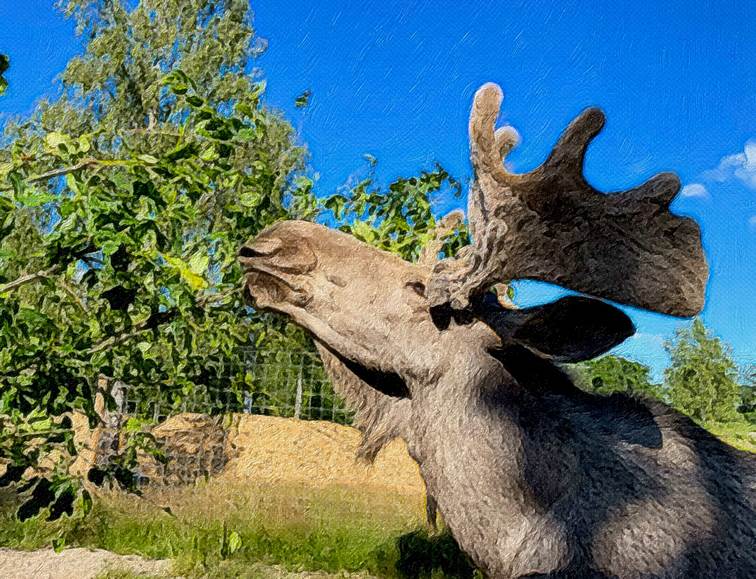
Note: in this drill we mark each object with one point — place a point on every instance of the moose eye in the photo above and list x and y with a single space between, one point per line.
418 287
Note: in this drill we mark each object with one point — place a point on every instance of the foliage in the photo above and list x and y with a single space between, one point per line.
702 378
4 64
401 219
616 374
122 205
117 86
747 405
137 275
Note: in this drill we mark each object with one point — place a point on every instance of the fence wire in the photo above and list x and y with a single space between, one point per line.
277 383
190 424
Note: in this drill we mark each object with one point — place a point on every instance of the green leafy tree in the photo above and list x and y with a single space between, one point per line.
702 378
4 64
747 405
122 206
137 279
610 374
116 86
399 219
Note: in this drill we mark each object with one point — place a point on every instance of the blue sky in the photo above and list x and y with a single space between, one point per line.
395 79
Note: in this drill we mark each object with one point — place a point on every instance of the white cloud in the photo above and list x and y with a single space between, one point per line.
694 190
740 166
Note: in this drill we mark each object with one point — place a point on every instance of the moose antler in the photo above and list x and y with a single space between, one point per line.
551 225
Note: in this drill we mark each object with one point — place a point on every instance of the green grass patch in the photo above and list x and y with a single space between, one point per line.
228 531
741 435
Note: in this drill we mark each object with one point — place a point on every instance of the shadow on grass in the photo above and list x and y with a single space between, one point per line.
422 555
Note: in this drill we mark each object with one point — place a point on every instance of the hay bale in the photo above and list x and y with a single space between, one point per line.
195 445
261 449
318 453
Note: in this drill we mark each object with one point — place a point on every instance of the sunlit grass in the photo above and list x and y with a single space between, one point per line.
741 435
336 529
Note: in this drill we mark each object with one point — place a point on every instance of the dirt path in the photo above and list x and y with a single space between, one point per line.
90 564
75 563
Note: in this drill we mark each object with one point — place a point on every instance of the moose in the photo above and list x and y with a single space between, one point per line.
533 476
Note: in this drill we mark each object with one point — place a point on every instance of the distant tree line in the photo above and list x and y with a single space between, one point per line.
701 381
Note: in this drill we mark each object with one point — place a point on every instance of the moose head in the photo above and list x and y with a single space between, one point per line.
523 465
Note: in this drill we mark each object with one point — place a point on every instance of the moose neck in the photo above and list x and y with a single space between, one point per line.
474 450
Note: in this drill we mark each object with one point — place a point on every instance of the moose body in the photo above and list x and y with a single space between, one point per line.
540 479
534 477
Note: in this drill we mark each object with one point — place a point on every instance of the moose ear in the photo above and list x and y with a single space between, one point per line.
571 329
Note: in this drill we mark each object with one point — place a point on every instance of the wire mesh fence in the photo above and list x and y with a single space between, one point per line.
190 425
276 383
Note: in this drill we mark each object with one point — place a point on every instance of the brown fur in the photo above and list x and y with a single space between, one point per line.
533 477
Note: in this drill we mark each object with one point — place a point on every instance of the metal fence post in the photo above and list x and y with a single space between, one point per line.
298 399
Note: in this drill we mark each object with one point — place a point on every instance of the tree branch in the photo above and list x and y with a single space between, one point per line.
207 299
112 341
57 172
29 278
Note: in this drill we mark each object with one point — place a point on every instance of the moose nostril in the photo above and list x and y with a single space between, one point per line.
261 247
247 251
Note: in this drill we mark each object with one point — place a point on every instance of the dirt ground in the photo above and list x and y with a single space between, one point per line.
267 450
92 564
75 563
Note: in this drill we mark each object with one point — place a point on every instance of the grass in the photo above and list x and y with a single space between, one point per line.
228 530
224 529
741 435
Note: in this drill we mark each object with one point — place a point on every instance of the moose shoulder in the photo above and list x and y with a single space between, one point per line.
534 477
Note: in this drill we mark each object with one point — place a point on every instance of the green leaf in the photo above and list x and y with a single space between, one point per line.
234 542
84 144
149 159
58 544
209 154
198 262
258 89
85 500
122 181
363 231
4 65
178 81
336 204
195 101
110 247
247 134
57 141
303 100
193 280
72 184
34 198
250 199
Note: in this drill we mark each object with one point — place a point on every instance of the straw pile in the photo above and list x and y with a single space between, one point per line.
270 449
265 450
